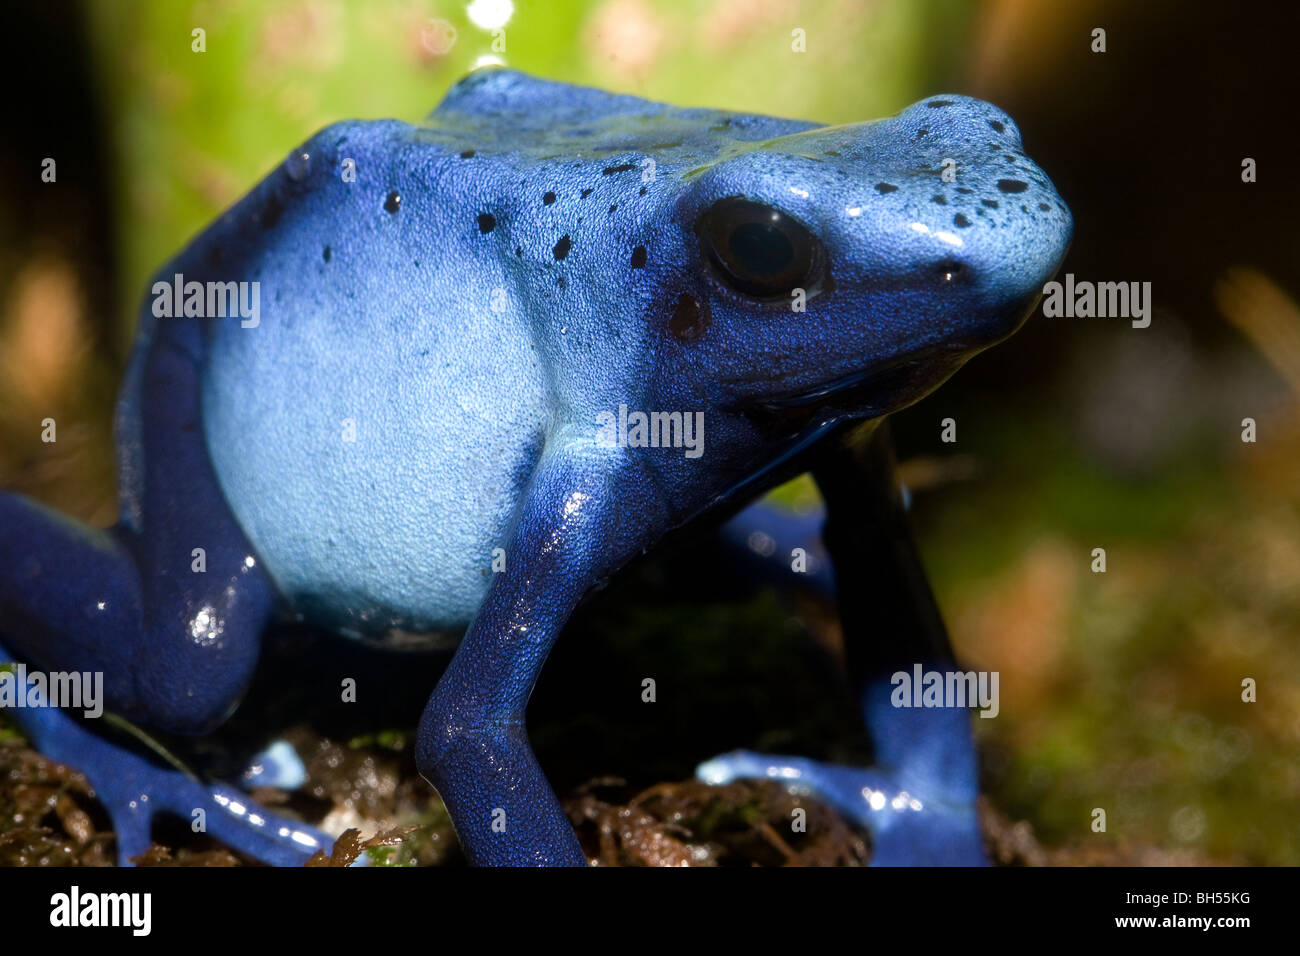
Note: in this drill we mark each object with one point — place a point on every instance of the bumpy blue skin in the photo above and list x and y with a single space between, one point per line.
467 337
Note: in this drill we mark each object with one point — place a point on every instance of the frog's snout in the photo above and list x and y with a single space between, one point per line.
1012 239
990 225
1004 218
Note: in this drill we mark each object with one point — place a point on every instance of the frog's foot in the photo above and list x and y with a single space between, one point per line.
134 790
909 824
137 792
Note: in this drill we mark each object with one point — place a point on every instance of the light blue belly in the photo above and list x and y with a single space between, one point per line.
375 461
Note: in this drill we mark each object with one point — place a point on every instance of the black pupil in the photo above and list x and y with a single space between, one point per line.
761 249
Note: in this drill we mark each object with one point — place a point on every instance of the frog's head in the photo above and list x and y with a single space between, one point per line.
857 267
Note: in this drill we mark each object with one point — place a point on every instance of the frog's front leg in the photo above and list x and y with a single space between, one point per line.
918 800
584 515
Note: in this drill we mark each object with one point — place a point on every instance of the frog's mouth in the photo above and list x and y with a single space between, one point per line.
873 391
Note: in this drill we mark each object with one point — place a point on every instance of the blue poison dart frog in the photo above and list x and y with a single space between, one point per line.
445 378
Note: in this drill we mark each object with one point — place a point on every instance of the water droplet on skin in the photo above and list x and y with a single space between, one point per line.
298 165
205 626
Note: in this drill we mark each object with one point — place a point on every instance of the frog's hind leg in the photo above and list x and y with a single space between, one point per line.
169 608
176 647
918 800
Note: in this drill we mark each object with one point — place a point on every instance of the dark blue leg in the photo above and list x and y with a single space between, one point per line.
918 800
578 524
176 646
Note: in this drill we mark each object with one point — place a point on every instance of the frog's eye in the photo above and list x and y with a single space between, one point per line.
760 251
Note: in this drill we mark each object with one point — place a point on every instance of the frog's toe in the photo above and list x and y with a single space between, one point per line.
747 765
908 827
136 791
277 766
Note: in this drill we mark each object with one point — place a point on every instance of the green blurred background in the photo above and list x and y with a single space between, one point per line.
1119 690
